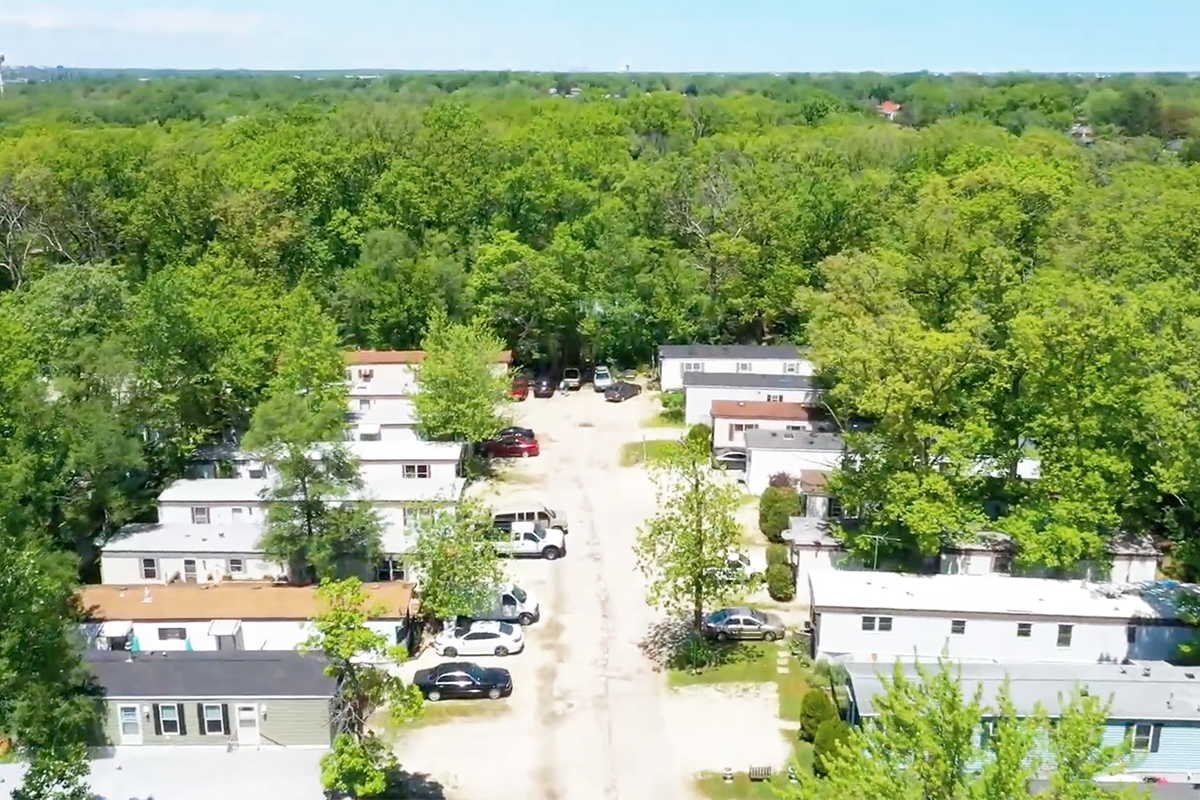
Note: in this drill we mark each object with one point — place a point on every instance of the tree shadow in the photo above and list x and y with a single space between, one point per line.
674 645
405 785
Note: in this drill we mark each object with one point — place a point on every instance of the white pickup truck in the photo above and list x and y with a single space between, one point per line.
529 539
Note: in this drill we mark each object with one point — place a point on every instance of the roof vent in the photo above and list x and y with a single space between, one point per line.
1190 675
1171 700
1145 672
789 435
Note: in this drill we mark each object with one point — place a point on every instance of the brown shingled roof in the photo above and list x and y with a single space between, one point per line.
368 357
225 600
762 409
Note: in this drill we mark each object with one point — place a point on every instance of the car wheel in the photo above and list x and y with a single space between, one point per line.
501 652
434 696
722 636
524 454
550 553
770 636
525 619
493 694
450 652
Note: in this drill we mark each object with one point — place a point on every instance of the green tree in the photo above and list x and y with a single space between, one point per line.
456 565
683 550
776 507
357 659
461 394
831 736
925 742
815 708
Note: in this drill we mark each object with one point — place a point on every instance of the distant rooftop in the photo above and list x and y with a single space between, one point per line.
215 490
745 380
762 409
224 674
992 595
763 439
368 357
781 352
153 537
405 450
226 600
1166 693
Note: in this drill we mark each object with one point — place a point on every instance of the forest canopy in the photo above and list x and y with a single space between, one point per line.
1006 270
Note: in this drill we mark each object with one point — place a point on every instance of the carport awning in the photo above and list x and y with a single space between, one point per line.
116 627
224 627
368 429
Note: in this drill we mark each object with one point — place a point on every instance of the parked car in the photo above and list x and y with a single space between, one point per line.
520 388
732 460
511 446
621 391
463 680
506 513
602 378
511 604
528 539
516 430
743 623
482 638
544 386
572 377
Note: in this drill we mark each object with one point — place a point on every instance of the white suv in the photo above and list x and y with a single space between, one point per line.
483 638
602 378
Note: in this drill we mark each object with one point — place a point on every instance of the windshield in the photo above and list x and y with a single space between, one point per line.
601 372
539 532
758 615
519 593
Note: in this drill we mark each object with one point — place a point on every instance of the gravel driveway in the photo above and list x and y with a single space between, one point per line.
590 716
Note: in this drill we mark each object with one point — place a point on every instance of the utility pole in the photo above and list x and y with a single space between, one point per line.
1 74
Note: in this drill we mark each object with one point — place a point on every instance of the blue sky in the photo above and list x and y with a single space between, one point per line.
606 35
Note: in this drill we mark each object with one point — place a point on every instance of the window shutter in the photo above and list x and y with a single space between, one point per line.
157 721
182 720
225 718
1155 732
200 716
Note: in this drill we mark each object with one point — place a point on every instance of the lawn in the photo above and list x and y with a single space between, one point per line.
441 712
737 662
713 786
665 419
634 453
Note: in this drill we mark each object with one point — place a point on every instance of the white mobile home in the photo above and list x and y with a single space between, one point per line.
701 389
732 418
677 360
223 616
379 461
881 616
1131 559
385 379
393 423
770 453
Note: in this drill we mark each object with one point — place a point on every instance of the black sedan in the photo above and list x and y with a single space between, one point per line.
621 391
515 430
463 679
544 386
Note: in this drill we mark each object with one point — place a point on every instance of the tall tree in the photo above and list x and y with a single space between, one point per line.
683 550
461 393
456 564
360 762
927 741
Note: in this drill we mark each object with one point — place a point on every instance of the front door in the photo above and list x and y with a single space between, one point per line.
189 570
247 725
131 725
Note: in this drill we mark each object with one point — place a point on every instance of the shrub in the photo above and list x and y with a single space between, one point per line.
776 506
699 434
815 709
781 582
831 735
781 480
777 554
672 406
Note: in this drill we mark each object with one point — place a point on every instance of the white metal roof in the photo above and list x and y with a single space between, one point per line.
188 539
389 414
401 490
378 388
215 490
405 450
1147 690
991 594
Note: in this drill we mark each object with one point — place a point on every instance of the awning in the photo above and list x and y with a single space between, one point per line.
224 627
116 627
365 429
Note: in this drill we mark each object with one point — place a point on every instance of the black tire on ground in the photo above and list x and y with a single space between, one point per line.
722 636
551 553
434 696
501 652
525 619
450 652
769 636
493 694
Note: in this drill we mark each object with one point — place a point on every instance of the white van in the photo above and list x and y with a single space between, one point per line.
507 513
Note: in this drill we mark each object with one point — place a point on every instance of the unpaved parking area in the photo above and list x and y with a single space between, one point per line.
590 717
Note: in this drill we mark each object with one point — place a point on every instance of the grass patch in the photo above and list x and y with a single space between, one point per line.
734 662
665 419
634 453
714 787
442 712
792 687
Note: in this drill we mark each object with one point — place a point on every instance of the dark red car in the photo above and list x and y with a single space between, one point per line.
512 445
520 388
